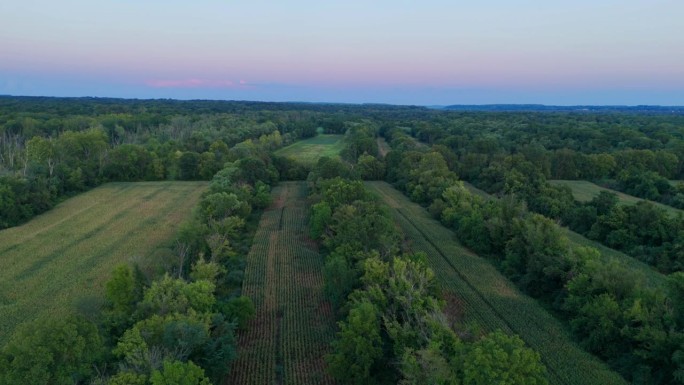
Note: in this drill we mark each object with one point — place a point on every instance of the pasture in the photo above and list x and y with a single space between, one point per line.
308 151
294 324
59 262
475 292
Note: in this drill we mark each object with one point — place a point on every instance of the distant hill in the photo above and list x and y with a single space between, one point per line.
542 107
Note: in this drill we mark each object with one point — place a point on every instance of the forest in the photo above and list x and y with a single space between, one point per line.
349 244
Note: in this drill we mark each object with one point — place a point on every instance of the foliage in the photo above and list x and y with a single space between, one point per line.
500 359
51 351
179 373
358 346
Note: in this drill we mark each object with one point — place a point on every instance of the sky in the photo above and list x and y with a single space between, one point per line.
427 52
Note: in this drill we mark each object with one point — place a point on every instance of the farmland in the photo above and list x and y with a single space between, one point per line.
584 191
60 261
287 340
308 151
489 299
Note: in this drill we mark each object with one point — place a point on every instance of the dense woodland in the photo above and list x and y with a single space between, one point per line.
181 323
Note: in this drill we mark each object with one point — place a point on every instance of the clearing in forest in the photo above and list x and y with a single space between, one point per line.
383 146
584 191
308 151
60 261
476 292
294 324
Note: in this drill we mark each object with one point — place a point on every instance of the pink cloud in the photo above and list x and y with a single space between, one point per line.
194 83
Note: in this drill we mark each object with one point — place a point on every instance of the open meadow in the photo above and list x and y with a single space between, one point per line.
476 292
294 324
308 151
59 262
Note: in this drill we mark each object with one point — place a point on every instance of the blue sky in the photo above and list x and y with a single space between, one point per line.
405 52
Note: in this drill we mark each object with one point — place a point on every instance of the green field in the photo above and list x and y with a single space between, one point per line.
59 261
476 291
294 325
584 191
308 151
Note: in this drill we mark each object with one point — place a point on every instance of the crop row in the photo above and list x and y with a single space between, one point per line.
286 341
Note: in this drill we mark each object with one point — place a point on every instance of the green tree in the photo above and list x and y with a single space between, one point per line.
357 346
339 278
370 168
240 310
121 290
179 373
222 204
59 351
320 217
501 359
43 151
189 166
427 366
128 378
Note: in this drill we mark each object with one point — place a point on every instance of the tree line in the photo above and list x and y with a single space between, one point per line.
393 328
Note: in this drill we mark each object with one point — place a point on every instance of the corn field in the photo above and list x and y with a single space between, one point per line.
286 342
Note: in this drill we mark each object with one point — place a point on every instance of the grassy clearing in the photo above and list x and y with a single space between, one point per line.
308 151
294 325
486 297
584 191
383 146
59 261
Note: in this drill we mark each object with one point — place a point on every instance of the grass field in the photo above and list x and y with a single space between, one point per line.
483 295
59 261
294 325
584 191
308 151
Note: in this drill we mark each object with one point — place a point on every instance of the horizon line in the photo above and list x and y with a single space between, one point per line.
430 105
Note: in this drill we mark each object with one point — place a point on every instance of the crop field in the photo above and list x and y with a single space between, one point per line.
59 261
488 298
286 342
308 151
584 191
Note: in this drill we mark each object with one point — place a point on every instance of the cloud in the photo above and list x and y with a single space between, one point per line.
195 83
